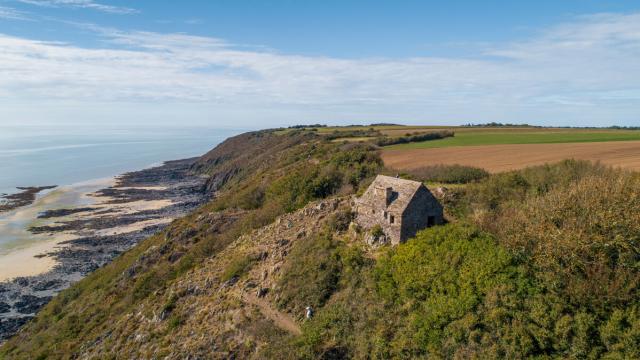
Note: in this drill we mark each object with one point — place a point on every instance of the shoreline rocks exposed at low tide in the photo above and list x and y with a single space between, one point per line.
103 233
26 196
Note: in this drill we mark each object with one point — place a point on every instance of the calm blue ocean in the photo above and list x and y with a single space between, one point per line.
38 156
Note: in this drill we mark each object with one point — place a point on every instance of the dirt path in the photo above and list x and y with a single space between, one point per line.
282 320
497 158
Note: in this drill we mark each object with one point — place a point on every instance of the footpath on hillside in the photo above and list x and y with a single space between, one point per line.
282 320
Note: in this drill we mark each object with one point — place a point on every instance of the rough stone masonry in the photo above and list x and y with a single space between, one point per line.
401 207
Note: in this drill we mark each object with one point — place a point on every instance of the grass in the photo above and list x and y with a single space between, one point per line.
525 136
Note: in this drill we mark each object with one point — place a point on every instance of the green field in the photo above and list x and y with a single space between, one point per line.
468 137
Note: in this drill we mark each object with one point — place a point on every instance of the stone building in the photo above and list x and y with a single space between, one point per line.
401 207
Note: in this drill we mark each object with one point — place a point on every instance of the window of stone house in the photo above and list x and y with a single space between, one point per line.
392 219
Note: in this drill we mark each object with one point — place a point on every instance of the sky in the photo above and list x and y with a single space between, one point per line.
268 63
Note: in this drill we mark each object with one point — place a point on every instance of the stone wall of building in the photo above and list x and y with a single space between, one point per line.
372 213
423 211
400 207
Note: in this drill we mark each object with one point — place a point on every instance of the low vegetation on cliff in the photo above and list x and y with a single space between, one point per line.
541 263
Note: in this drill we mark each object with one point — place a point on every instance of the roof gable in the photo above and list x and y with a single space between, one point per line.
403 191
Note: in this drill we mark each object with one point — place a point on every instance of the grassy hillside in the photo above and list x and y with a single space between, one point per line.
537 263
257 180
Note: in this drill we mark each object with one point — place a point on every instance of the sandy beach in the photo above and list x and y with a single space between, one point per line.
25 262
21 250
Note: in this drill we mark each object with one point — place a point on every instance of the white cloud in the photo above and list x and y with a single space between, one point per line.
579 73
12 14
81 4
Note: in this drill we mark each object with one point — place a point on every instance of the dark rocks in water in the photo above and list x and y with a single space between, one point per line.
4 307
23 198
29 304
45 285
63 212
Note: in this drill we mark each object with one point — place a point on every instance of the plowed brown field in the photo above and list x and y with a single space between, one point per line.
497 158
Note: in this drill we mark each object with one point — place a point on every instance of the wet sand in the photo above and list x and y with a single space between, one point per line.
27 262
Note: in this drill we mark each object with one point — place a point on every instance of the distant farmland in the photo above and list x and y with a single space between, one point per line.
507 149
483 136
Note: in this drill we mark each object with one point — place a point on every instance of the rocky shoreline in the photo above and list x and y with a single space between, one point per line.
102 233
26 196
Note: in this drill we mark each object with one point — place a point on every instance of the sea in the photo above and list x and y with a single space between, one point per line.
80 160
42 156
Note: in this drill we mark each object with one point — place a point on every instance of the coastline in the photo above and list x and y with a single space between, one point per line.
20 249
73 230
25 196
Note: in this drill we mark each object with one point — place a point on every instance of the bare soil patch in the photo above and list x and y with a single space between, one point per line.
498 158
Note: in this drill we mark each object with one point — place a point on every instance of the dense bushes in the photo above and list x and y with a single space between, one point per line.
549 270
584 238
435 284
341 134
308 181
448 174
518 185
386 141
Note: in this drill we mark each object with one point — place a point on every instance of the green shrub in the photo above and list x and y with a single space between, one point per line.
337 134
376 231
386 141
449 174
436 284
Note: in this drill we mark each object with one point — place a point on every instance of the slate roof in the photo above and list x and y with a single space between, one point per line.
405 190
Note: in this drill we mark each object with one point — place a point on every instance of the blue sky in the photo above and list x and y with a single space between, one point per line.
270 63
